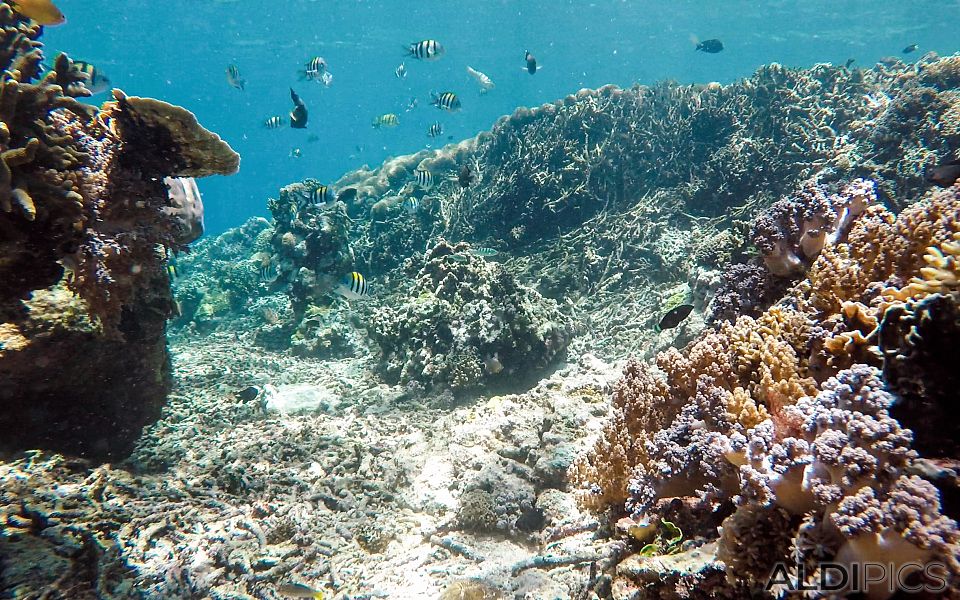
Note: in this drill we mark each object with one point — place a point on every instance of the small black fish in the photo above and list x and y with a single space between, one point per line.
674 317
298 116
466 177
849 62
531 62
248 394
945 175
710 46
910 48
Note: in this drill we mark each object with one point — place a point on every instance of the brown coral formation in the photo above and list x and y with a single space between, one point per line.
84 208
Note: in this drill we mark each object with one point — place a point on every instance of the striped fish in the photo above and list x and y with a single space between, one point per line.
411 206
424 178
447 101
436 130
234 78
274 122
387 120
316 66
484 251
321 195
353 286
425 50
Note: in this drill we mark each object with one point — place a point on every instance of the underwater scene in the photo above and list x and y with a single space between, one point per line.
504 300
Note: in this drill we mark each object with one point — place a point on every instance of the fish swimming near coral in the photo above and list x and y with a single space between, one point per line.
849 62
234 79
43 12
411 206
299 590
945 175
266 269
423 177
353 286
447 101
910 48
425 50
710 46
96 81
466 177
531 62
483 81
484 252
298 116
674 317
386 120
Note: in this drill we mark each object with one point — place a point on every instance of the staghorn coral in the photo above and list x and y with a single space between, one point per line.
466 322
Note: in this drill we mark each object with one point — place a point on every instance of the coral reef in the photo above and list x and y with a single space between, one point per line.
782 420
84 209
466 322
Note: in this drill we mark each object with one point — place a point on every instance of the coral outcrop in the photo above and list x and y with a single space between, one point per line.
84 209
781 429
467 322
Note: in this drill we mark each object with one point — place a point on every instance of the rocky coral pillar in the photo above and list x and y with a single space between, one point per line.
86 222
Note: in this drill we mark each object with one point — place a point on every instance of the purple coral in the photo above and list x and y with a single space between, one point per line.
793 231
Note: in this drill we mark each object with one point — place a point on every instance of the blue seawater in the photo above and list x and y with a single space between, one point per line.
178 51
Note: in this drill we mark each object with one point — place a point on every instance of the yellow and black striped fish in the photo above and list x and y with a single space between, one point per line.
436 130
447 101
424 177
425 50
274 122
353 286
321 195
387 120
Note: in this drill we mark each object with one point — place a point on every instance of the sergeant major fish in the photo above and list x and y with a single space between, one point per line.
387 120
274 122
425 50
424 177
447 101
353 286
436 130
